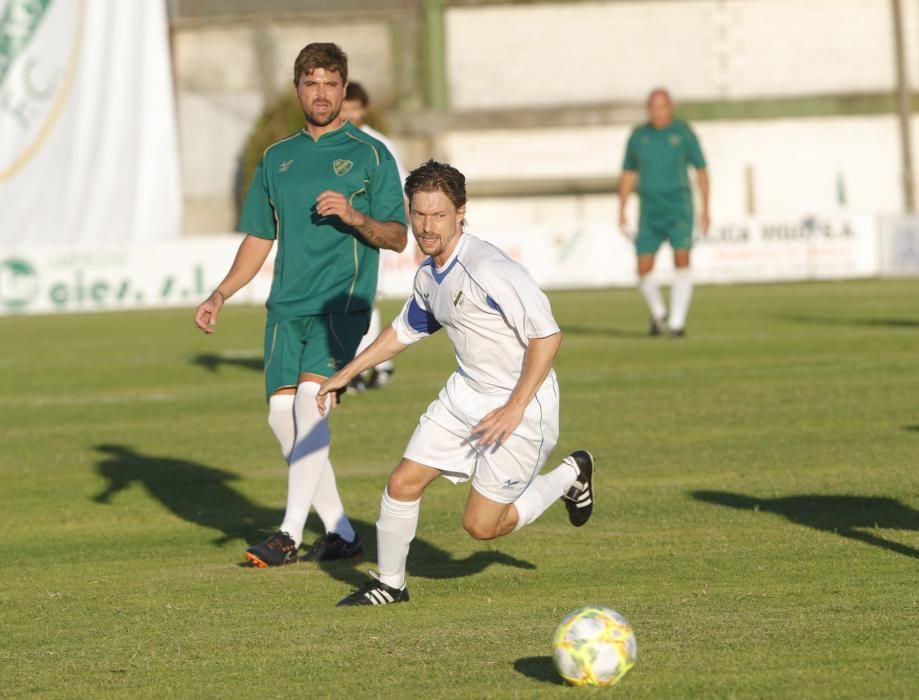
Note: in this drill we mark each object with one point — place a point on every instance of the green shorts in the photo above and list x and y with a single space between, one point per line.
315 344
664 216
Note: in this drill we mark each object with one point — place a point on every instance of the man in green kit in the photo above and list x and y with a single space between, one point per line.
331 196
656 158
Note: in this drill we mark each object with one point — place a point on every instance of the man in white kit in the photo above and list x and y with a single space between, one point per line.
496 420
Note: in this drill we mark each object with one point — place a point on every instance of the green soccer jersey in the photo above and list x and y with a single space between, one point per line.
661 156
322 265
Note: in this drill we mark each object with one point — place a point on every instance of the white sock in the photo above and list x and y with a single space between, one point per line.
680 296
281 420
329 507
308 459
395 532
651 291
326 500
543 491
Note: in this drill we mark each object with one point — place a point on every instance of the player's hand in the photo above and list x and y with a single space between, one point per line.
624 227
704 222
495 427
207 312
327 398
330 203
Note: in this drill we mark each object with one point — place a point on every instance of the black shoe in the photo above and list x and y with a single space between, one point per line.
374 592
579 500
276 550
380 378
358 384
677 332
331 547
657 327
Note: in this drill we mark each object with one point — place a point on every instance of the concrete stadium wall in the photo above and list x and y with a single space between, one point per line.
539 56
794 168
594 52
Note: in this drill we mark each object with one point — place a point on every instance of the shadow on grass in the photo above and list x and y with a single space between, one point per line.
213 362
852 517
911 428
206 496
842 321
539 668
603 332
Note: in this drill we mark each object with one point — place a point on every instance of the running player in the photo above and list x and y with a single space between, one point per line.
496 420
331 197
657 157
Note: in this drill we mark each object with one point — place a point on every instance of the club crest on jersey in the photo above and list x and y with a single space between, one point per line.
285 165
342 167
458 297
674 139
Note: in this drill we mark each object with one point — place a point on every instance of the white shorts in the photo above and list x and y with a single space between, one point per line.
443 439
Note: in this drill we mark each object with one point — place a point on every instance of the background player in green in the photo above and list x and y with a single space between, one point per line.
657 157
331 196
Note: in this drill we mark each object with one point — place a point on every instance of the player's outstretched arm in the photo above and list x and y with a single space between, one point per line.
495 427
390 235
249 260
385 347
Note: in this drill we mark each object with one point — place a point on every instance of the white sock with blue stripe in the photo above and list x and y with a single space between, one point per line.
543 491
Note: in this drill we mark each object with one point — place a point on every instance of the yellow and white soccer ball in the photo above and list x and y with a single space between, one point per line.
594 646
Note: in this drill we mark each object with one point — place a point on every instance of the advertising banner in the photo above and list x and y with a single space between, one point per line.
900 246
46 279
88 150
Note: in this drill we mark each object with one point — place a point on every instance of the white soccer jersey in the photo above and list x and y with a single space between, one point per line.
490 308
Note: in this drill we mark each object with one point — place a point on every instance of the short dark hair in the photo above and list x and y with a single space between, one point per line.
321 55
437 177
356 91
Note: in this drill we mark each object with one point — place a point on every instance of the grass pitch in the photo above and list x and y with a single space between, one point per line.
757 512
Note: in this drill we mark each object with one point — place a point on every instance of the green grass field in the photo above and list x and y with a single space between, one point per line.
758 517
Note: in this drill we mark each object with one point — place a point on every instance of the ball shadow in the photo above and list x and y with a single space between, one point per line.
539 668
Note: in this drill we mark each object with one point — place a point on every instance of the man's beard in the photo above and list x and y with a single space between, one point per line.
312 119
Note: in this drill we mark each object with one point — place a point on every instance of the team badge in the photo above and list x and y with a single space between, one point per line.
342 167
458 298
674 139
285 165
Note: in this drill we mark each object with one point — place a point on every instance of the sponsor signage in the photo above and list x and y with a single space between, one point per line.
183 272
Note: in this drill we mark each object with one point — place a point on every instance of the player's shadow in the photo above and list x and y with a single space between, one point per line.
602 332
911 428
540 668
852 517
842 321
213 362
206 496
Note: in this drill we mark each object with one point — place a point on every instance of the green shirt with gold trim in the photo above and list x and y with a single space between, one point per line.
322 265
661 157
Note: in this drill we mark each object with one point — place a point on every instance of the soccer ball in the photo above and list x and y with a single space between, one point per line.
594 646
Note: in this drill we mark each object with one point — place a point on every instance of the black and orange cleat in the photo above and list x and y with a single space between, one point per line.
278 549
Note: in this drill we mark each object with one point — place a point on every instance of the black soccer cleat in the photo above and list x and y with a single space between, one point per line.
677 332
380 378
276 550
657 327
374 592
579 499
332 547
